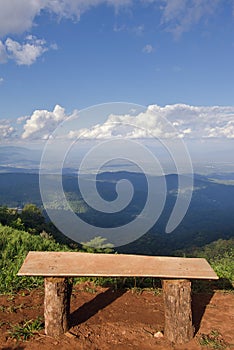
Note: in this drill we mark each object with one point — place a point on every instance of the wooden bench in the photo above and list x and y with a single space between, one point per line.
176 273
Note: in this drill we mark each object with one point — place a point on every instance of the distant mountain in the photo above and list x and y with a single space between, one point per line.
210 215
17 189
19 157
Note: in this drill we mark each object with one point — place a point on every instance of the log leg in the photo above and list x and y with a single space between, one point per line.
178 314
57 305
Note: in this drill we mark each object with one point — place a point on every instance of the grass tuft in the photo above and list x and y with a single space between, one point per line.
25 330
213 340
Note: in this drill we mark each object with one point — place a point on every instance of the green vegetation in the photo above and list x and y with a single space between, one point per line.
98 244
209 217
26 329
220 255
14 246
213 340
30 218
28 231
15 243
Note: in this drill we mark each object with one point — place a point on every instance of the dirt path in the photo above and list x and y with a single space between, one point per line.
103 319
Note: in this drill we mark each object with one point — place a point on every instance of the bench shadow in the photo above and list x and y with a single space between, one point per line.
201 298
89 309
199 304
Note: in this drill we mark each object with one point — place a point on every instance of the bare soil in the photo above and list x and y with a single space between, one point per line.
103 319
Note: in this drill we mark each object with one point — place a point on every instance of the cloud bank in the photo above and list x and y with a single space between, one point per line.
164 122
171 121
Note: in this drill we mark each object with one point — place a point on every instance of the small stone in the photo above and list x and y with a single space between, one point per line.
158 335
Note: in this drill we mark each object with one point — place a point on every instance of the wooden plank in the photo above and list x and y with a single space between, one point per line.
76 264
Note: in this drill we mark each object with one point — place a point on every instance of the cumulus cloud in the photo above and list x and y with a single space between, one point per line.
42 123
199 121
148 48
6 130
23 54
168 122
163 122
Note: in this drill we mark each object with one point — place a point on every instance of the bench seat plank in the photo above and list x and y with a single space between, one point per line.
76 264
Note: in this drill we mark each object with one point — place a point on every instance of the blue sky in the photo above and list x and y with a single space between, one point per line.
74 54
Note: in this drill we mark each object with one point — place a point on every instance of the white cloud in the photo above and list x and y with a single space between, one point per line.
226 131
1 80
119 28
171 121
6 130
164 122
3 53
137 30
26 53
200 121
74 8
54 46
42 123
19 16
21 120
178 16
148 48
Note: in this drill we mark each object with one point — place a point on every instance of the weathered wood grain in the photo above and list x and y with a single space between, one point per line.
71 264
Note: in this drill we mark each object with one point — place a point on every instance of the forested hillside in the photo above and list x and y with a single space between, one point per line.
15 244
206 231
209 217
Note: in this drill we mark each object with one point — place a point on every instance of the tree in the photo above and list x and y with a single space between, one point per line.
98 245
17 223
33 219
7 215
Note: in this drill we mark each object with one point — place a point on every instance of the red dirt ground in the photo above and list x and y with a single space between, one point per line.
104 319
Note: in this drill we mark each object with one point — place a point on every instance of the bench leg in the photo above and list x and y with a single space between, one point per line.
178 314
57 305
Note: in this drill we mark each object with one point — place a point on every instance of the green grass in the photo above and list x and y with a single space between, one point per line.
224 266
26 329
14 246
11 308
220 255
213 340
